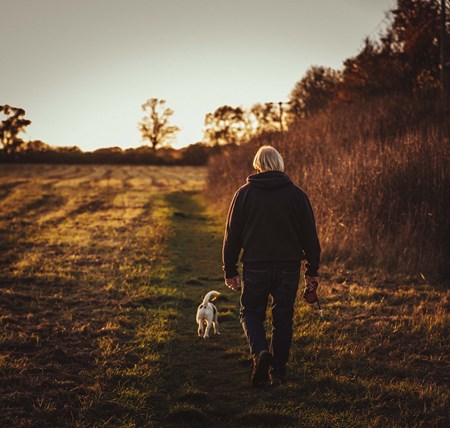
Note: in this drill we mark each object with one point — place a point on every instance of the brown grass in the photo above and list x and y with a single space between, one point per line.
80 315
100 279
378 178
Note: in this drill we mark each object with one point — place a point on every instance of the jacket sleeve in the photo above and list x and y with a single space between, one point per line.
310 240
232 241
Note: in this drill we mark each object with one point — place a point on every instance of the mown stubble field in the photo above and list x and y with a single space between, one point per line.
101 271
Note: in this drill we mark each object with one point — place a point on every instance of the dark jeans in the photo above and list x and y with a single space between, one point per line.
282 285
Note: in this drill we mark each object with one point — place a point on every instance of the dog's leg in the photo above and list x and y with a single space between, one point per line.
216 326
215 320
208 327
200 328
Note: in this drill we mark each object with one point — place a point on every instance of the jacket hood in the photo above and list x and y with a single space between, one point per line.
269 180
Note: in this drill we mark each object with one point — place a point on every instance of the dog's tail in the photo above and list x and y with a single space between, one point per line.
208 296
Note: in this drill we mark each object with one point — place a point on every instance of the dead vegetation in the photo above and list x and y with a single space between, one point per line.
377 174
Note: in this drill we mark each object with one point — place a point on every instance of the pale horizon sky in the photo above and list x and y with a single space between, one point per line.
81 69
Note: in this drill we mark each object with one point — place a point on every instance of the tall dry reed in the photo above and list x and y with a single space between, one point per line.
377 173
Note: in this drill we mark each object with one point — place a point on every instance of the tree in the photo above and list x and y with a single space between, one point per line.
37 146
10 128
415 35
406 57
155 126
314 91
267 117
227 125
373 71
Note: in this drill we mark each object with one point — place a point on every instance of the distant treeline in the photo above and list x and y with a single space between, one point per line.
39 152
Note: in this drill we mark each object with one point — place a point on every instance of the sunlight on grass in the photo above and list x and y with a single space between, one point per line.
84 252
99 294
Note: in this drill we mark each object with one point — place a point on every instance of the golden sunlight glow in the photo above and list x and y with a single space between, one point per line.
93 64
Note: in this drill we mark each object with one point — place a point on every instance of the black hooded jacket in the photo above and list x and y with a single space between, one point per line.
271 219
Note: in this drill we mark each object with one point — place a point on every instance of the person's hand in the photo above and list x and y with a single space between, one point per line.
311 282
234 283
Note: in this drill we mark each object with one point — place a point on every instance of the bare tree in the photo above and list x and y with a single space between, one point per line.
155 126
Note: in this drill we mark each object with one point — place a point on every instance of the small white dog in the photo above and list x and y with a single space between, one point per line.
207 313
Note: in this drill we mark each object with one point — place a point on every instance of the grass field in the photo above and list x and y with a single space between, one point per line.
101 271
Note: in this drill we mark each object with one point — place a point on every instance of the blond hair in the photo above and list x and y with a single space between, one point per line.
268 159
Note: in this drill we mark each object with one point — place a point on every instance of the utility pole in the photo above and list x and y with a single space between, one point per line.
444 77
280 103
280 111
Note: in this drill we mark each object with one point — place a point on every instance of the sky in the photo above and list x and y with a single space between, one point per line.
81 69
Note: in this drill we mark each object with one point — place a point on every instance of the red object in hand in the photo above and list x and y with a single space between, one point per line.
310 294
234 283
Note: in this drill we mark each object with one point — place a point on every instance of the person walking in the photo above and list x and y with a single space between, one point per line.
272 221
